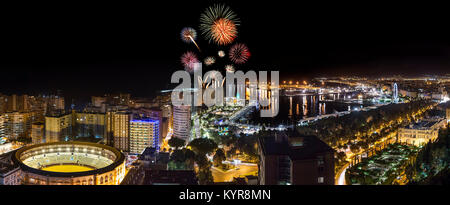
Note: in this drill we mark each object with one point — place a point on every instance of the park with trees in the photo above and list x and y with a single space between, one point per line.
359 130
432 161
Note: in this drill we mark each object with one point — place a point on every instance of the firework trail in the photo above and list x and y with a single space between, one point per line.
218 24
188 35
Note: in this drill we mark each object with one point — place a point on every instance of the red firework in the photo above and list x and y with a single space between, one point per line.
223 31
239 53
189 59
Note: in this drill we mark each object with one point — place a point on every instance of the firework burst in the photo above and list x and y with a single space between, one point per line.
209 61
221 54
239 53
189 59
189 35
218 24
229 68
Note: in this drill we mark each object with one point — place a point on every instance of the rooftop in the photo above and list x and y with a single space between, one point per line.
424 124
179 177
145 121
293 144
6 164
151 153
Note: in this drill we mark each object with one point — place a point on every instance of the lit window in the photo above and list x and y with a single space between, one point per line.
320 180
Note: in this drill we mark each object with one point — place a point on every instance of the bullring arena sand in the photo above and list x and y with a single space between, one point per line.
67 168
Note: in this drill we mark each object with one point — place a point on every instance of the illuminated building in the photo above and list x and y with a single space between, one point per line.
166 121
420 133
143 134
151 158
98 101
2 125
448 114
141 104
109 129
6 147
37 107
54 104
182 122
37 133
70 163
10 173
150 113
58 127
121 130
120 99
16 124
17 103
90 124
411 94
288 158
110 111
3 103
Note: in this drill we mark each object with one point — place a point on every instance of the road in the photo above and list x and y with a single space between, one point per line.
341 178
227 176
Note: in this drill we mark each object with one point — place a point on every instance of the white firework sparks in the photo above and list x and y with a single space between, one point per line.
229 68
209 61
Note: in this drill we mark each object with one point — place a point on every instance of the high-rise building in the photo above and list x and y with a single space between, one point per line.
18 103
16 124
98 101
150 113
182 122
2 125
58 127
37 133
54 104
121 130
90 124
290 158
12 103
143 134
38 107
110 110
167 120
109 128
3 103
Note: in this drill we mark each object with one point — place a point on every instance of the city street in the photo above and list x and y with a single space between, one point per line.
227 176
341 176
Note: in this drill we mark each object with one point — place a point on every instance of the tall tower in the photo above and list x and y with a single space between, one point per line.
182 122
121 130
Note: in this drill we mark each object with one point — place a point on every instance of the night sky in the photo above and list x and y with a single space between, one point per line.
95 49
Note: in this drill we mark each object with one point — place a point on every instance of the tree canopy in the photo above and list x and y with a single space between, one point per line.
202 146
176 142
